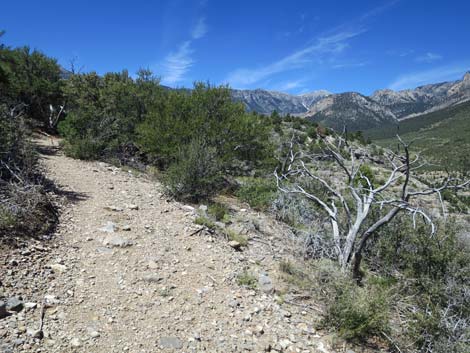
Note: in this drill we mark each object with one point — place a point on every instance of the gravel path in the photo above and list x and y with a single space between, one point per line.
129 276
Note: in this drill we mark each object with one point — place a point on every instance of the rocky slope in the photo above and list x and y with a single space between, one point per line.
352 110
355 110
265 102
422 99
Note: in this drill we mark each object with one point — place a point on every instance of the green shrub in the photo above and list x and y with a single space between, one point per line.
434 271
312 132
233 236
258 192
196 174
358 312
366 172
86 149
295 275
247 279
218 211
204 221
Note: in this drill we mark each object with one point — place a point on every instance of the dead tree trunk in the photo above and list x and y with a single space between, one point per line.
351 237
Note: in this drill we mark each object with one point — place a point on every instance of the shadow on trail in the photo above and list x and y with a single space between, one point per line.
48 150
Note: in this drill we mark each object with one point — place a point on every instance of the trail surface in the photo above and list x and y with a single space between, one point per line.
131 277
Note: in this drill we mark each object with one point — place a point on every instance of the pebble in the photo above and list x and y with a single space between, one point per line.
75 342
171 342
116 241
14 304
3 310
234 244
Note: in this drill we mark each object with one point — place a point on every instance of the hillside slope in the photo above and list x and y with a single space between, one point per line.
352 110
444 135
356 111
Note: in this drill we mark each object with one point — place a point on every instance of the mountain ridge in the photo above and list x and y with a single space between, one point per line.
355 110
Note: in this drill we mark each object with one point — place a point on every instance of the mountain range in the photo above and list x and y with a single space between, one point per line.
357 111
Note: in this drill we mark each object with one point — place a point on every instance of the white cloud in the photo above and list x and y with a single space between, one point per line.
327 45
287 86
439 74
347 65
200 29
428 58
177 63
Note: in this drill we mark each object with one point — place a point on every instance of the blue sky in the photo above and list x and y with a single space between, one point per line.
293 46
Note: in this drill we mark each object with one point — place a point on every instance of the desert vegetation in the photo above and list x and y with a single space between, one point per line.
378 242
29 85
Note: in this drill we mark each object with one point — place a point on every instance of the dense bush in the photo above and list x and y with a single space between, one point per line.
218 211
196 174
435 272
31 81
258 192
24 206
206 112
357 312
112 115
104 112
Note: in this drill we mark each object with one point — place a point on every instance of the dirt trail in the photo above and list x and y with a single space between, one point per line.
151 286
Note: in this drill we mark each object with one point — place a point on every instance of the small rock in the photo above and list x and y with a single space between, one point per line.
171 342
51 299
113 208
234 244
220 224
265 283
286 313
233 303
18 342
58 268
110 227
75 342
152 278
35 333
259 330
116 241
3 310
153 265
104 250
284 343
126 228
30 305
14 304
133 207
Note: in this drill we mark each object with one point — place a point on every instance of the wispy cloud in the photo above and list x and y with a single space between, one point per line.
401 53
290 85
323 49
348 65
200 29
177 63
428 58
326 45
438 74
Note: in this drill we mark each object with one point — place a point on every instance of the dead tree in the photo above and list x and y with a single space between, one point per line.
349 204
55 115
